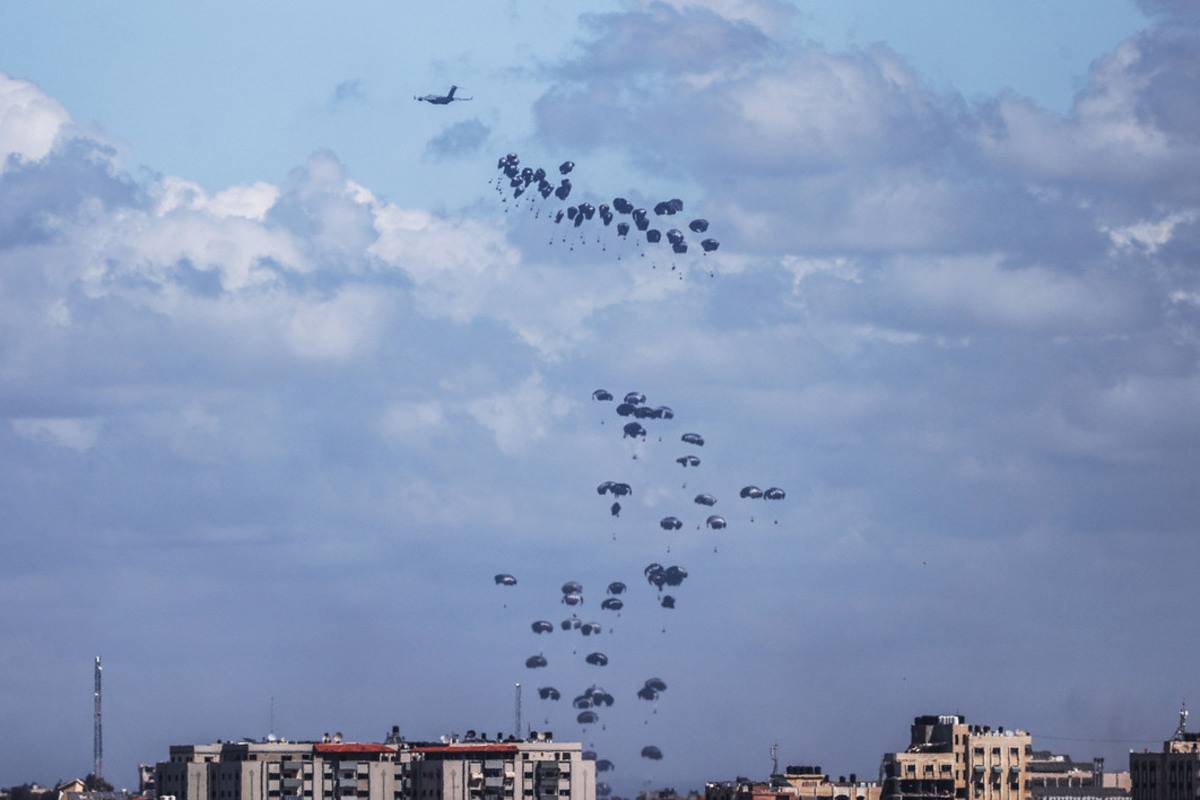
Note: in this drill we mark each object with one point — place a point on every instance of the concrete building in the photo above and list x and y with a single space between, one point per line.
796 783
538 769
1174 773
947 758
332 769
146 787
1059 777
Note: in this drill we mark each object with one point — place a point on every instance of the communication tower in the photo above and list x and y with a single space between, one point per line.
517 713
97 726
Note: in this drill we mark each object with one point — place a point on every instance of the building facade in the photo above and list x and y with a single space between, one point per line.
947 758
534 769
1173 773
796 783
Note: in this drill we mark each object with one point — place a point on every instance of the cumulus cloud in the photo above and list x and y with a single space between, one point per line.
522 416
30 121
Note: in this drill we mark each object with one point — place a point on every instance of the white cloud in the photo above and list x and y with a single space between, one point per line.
30 121
457 266
250 201
74 433
1151 234
409 422
337 328
520 417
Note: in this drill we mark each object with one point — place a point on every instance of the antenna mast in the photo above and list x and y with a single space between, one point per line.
517 713
1182 728
97 726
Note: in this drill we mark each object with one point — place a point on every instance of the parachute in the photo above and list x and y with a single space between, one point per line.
667 601
597 659
774 493
566 167
542 626
693 438
548 693
675 575
698 225
715 522
751 492
705 500
505 579
688 461
633 430
651 752
670 523
614 488
602 394
612 604
534 662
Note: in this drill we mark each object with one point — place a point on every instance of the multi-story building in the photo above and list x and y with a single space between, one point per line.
538 769
1059 777
947 758
146 787
796 783
332 769
1174 773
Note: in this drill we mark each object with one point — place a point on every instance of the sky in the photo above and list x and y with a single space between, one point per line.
283 384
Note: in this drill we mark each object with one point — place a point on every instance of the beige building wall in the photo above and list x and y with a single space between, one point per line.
947 758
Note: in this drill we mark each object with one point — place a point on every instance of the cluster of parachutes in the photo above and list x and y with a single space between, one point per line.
637 413
536 182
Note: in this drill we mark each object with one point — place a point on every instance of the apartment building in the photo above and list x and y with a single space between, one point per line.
537 769
947 758
795 783
332 769
1171 774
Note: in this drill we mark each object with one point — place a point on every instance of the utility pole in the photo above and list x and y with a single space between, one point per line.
517 713
97 726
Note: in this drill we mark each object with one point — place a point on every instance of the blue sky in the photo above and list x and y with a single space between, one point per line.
283 385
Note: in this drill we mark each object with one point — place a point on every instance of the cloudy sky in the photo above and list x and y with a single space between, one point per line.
282 385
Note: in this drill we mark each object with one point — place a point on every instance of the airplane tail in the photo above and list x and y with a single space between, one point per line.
450 93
